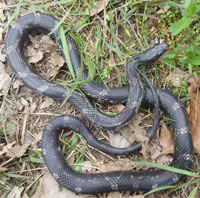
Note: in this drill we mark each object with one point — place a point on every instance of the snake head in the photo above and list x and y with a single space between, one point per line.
150 55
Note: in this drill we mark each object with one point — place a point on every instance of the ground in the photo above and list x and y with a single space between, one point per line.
108 33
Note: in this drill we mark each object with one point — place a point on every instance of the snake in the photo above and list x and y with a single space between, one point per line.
135 95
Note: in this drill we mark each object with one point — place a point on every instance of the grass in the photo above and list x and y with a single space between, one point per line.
106 47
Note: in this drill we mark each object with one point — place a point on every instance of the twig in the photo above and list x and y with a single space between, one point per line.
134 31
120 41
38 177
24 123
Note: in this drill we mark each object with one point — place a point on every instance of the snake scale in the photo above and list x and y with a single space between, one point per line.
134 96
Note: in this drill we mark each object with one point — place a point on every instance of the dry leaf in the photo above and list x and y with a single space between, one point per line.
17 150
98 7
24 102
48 44
2 14
47 102
4 80
86 166
1 34
2 56
36 57
114 195
57 60
118 140
166 141
6 148
176 77
16 84
33 107
2 169
120 108
51 189
194 114
16 193
121 164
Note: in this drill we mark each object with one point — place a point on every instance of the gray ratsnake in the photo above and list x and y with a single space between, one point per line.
134 96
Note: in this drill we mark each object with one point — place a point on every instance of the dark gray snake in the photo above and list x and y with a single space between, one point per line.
135 95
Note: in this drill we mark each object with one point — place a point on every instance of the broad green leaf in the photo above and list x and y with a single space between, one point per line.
191 10
178 26
187 3
170 55
176 5
195 61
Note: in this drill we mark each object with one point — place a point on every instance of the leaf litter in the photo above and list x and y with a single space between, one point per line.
194 113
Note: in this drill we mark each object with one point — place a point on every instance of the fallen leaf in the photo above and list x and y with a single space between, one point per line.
16 84
51 189
48 44
17 150
46 103
36 57
121 164
177 76
33 107
16 193
166 141
194 114
24 102
2 169
86 166
98 7
6 148
115 195
2 14
4 80
1 34
2 56
57 60
118 140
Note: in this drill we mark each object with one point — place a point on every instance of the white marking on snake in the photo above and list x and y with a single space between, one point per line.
42 88
176 106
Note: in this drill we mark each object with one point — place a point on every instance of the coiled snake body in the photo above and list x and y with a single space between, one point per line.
134 96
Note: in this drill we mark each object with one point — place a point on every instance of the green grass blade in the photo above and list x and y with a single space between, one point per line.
57 3
91 68
35 160
15 14
62 20
196 181
68 96
66 51
158 189
36 7
15 175
193 193
168 168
